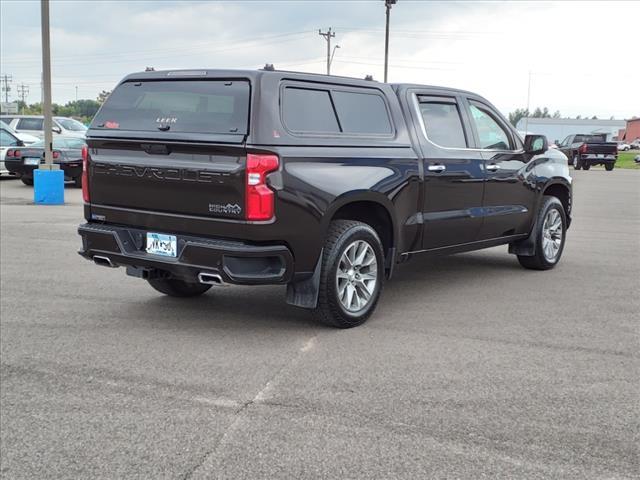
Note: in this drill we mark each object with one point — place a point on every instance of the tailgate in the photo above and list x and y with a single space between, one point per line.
189 180
602 148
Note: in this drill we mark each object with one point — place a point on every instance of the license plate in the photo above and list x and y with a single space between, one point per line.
160 244
31 161
600 155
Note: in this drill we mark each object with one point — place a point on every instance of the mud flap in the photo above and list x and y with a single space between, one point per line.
304 294
526 247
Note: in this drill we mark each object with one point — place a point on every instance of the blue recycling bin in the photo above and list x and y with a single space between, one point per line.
48 187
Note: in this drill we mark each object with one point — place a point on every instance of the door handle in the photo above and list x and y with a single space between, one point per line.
493 167
436 168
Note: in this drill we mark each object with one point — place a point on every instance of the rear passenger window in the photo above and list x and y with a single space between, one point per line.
30 124
306 110
443 124
361 113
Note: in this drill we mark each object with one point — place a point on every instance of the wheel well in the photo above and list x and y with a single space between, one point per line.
373 214
561 193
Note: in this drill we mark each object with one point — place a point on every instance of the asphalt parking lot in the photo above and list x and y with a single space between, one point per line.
472 367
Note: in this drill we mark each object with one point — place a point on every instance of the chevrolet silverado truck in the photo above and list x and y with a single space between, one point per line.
194 178
585 150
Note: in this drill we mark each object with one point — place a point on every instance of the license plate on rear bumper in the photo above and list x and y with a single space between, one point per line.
31 161
161 244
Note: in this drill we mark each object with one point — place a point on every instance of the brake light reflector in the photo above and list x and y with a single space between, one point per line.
56 154
259 197
9 153
85 174
583 148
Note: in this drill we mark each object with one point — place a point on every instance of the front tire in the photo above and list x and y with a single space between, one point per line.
178 288
550 230
609 166
352 274
27 181
577 163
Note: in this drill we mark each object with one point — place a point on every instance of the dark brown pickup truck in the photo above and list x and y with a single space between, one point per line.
320 183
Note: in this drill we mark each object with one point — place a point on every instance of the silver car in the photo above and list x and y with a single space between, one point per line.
34 125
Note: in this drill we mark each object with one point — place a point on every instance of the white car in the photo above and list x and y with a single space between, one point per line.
25 137
7 140
623 146
34 125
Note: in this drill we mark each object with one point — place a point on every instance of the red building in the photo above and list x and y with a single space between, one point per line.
632 130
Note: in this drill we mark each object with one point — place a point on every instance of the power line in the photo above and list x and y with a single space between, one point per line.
6 88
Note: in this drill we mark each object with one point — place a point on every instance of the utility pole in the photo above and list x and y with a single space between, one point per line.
23 91
328 35
388 4
6 88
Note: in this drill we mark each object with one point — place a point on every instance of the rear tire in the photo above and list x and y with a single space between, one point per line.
77 181
352 274
547 255
27 181
577 163
609 166
586 165
178 288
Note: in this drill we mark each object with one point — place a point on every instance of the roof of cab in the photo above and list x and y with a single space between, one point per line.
255 74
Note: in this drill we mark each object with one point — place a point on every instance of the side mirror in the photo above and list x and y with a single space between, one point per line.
56 129
557 142
535 144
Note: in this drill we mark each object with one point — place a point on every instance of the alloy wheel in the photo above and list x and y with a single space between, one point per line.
357 276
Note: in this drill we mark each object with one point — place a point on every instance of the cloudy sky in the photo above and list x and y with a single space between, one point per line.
582 57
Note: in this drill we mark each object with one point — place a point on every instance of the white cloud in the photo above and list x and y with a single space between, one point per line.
580 53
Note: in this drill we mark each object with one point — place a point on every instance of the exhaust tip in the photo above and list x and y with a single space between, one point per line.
210 278
103 261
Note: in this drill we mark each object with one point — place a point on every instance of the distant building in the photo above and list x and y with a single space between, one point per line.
559 128
631 131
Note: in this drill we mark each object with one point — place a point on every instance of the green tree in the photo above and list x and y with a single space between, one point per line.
517 115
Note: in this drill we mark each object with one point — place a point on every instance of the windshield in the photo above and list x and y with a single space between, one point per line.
71 124
196 106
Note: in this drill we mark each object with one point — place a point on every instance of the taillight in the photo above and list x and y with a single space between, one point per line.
9 153
17 154
583 148
85 174
259 197
56 154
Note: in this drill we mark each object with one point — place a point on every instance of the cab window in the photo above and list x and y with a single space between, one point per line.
491 134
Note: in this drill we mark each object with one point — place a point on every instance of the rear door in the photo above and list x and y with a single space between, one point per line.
174 146
453 175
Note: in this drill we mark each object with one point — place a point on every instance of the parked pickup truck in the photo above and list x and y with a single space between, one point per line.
320 183
584 150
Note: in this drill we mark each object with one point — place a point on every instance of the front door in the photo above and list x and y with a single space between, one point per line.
453 174
509 198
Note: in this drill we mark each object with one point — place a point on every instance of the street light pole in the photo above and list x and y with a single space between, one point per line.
388 4
48 179
46 80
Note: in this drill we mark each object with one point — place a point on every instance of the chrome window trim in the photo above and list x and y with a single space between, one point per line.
416 107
